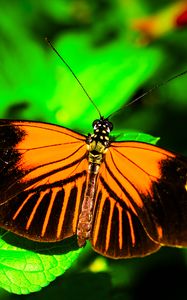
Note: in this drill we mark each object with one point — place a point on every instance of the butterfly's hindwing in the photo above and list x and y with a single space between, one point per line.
117 231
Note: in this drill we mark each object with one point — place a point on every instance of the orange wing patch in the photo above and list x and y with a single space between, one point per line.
140 161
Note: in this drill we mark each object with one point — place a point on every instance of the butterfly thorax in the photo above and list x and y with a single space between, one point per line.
97 144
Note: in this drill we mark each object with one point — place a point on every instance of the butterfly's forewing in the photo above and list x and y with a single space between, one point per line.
42 179
141 200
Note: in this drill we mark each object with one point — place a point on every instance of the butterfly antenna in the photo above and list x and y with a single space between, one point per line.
74 75
157 86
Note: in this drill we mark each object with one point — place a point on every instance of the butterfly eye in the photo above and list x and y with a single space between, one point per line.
96 123
109 126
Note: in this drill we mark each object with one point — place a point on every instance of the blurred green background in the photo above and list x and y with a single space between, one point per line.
118 49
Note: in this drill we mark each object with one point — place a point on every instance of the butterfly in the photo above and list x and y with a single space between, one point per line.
127 198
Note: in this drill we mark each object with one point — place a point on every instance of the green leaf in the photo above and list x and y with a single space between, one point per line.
135 136
23 271
110 74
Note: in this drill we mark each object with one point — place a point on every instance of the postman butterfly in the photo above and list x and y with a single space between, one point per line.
127 198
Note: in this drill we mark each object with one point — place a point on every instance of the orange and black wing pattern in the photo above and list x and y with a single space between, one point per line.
141 201
43 171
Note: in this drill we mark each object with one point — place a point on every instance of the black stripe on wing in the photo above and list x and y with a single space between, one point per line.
117 232
26 213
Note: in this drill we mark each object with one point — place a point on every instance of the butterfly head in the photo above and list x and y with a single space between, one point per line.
102 128
102 125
